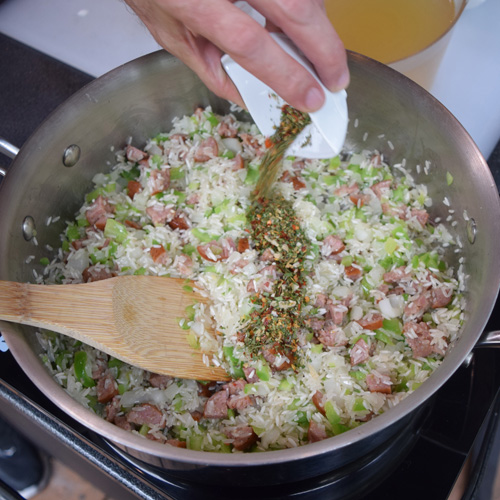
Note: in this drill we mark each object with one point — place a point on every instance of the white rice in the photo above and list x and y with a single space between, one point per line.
375 243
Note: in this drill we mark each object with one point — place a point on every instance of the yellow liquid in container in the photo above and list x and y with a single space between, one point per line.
390 30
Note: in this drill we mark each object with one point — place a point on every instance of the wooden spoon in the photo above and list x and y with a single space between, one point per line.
132 318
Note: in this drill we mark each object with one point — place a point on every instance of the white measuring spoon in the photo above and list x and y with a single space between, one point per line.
324 137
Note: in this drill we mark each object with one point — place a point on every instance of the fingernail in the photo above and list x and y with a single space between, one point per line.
343 80
314 99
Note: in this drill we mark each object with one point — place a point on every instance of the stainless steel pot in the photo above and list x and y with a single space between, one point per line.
388 112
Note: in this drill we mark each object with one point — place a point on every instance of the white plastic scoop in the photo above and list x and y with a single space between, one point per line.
324 137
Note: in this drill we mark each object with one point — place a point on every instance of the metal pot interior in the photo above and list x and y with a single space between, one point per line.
387 112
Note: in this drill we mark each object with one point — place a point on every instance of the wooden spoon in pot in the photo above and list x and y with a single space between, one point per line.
132 318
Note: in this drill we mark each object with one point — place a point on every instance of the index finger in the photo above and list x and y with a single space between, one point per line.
250 45
307 25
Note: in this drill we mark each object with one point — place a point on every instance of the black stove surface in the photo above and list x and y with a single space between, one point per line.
455 432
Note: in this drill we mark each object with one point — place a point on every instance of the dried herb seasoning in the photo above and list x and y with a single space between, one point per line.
291 124
277 316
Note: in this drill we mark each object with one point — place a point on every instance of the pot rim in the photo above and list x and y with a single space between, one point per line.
32 365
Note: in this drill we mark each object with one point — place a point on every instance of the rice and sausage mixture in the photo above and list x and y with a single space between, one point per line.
331 301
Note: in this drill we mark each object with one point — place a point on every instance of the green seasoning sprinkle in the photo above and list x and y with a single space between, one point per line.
278 315
292 123
449 179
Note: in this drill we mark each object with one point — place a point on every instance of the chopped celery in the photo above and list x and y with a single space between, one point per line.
157 161
73 233
187 288
380 335
231 413
334 163
252 174
390 245
331 180
357 375
188 249
449 179
115 230
285 385
359 405
144 430
201 235
334 419
44 261
176 173
193 341
393 325
115 363
141 271
181 196
249 389
122 388
263 372
317 348
83 369
190 312
195 442
302 419
132 174
234 363
212 119
228 154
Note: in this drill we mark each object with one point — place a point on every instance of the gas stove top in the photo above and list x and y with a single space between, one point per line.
452 434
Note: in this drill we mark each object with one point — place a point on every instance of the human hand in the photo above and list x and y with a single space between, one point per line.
199 32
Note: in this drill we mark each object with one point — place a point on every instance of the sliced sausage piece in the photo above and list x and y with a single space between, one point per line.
418 336
238 163
331 245
99 211
243 245
316 432
207 150
160 214
381 188
239 402
421 215
335 312
158 181
133 187
107 388
346 190
250 374
216 405
318 400
159 381
360 352
441 297
146 414
372 322
158 254
94 273
122 422
416 308
277 363
396 275
135 154
180 221
133 224
353 273
243 437
331 335
379 383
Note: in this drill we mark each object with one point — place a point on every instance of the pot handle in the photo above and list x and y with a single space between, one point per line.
489 339
9 150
